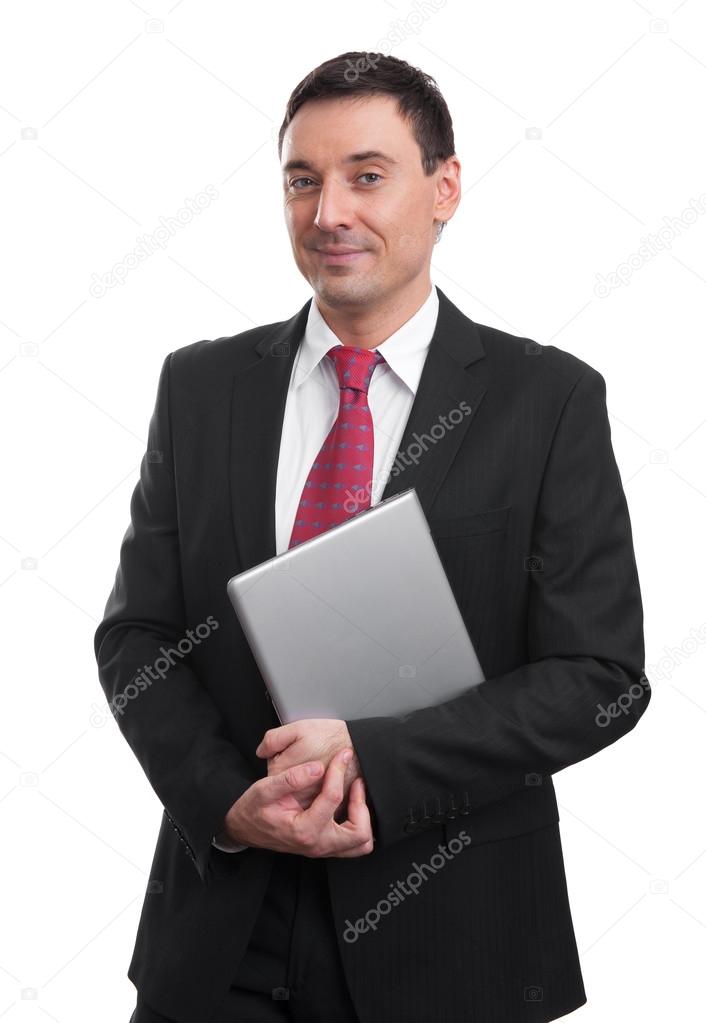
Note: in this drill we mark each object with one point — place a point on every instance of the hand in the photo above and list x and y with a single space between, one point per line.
269 814
308 739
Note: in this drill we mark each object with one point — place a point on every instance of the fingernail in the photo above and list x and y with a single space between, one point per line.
314 769
348 756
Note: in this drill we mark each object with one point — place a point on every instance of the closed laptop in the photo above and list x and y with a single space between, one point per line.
359 621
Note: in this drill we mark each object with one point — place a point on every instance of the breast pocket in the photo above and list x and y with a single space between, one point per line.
491 520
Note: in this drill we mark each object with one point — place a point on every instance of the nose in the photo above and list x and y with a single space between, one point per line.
335 209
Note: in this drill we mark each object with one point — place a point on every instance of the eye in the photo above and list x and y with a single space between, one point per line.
368 174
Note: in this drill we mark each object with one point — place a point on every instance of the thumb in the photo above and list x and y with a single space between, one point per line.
275 740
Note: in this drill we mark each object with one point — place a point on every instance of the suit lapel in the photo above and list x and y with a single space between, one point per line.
444 407
447 393
257 413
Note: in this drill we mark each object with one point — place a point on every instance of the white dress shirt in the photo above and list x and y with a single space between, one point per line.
312 407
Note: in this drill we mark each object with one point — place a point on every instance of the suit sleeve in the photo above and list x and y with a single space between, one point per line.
584 684
169 720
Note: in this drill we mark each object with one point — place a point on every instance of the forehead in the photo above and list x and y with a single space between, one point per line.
330 131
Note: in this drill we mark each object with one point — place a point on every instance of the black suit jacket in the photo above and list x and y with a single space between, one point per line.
526 506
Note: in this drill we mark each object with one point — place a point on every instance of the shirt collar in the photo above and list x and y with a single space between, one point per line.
404 351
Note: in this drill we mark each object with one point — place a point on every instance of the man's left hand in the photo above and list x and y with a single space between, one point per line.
308 739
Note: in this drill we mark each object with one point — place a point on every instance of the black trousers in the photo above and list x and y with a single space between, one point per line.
292 968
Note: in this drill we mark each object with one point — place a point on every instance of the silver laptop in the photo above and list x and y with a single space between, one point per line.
359 621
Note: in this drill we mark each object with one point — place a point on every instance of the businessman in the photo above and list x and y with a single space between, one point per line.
398 869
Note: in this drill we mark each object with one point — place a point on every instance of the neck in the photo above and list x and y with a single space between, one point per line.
370 326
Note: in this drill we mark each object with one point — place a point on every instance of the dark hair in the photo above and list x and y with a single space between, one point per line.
419 100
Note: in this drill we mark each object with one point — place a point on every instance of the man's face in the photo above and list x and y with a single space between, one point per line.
383 206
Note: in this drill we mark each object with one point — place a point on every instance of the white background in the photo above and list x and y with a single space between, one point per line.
580 128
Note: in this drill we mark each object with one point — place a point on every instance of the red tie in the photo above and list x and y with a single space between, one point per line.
340 478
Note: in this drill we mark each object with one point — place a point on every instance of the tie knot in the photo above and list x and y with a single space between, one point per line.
354 365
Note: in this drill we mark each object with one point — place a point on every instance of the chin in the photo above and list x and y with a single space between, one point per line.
356 289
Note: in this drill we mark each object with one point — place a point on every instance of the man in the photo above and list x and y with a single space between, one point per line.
416 872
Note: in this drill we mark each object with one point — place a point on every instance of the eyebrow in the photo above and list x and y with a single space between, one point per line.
368 154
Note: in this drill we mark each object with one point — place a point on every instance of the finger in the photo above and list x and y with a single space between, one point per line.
305 797
348 853
357 789
357 825
276 739
294 779
330 797
349 792
279 762
354 836
358 810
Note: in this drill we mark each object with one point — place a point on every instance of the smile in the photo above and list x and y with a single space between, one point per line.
343 257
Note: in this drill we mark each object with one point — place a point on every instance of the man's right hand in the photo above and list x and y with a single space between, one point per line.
270 815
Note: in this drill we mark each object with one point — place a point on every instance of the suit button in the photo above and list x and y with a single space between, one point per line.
425 820
411 825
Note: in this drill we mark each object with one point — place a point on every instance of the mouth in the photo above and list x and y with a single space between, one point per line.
335 258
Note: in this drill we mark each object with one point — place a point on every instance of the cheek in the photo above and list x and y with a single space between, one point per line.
294 216
412 236
413 243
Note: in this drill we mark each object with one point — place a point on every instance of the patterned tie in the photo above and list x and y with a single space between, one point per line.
340 478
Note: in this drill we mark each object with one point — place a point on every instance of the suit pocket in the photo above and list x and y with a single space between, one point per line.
492 520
